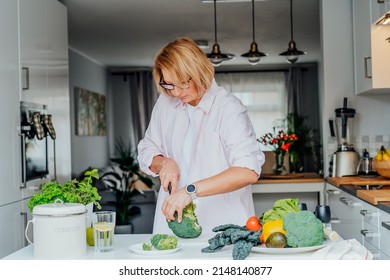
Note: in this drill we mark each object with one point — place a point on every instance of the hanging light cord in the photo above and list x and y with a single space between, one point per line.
215 20
291 20
253 20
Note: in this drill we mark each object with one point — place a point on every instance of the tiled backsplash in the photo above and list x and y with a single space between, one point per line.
372 143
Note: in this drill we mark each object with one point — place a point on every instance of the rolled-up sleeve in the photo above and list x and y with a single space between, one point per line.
239 138
149 146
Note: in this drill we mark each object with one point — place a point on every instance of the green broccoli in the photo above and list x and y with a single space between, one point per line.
147 246
163 241
303 229
189 227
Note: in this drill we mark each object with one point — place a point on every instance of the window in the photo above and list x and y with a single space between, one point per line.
263 93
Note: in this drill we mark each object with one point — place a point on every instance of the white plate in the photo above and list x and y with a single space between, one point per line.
262 249
137 248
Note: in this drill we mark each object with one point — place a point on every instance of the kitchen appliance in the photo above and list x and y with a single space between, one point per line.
365 167
36 127
59 230
345 160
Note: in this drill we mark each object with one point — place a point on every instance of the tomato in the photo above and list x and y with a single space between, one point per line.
253 223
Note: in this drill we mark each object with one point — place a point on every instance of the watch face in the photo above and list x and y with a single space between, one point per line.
191 188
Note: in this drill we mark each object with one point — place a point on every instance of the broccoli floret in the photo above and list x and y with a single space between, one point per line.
189 227
303 229
147 246
163 241
156 239
167 243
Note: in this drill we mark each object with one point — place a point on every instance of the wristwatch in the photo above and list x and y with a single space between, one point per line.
191 190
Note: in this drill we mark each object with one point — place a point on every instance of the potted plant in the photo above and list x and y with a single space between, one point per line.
73 191
127 183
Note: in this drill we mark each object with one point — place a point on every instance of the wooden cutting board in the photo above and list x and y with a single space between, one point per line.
374 196
357 181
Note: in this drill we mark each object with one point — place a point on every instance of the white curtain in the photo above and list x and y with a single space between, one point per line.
263 93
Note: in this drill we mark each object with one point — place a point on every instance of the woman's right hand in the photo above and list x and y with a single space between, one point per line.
169 173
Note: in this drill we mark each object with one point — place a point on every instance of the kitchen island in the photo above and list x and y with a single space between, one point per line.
307 187
190 250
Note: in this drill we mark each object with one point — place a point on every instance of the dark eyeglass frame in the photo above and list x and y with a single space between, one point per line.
172 86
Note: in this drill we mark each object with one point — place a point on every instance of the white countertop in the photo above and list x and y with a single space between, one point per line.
190 249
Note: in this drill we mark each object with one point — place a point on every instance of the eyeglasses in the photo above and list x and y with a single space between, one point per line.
166 86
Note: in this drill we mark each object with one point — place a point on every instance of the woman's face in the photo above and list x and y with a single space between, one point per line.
186 91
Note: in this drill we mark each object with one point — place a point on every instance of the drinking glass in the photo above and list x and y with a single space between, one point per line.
322 212
103 230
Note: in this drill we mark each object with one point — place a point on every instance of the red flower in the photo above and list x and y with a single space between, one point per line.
281 142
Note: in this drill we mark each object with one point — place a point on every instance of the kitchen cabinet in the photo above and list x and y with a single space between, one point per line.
36 20
44 72
384 230
369 62
345 210
370 229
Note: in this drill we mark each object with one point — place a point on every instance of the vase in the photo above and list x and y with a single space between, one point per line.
279 168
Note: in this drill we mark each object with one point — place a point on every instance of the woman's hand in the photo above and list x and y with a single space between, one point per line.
169 173
175 203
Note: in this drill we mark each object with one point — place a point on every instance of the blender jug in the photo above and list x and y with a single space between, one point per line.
344 127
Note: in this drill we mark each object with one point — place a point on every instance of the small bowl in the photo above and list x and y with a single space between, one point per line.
382 167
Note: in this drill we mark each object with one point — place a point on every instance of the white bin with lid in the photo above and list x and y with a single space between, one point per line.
59 230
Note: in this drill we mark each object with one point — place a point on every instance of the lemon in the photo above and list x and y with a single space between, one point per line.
90 240
103 226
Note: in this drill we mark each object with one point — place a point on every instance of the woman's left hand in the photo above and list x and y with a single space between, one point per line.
175 203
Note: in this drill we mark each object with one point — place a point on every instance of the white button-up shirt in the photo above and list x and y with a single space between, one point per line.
224 137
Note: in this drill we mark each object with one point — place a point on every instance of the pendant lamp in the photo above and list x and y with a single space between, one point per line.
253 55
292 52
216 57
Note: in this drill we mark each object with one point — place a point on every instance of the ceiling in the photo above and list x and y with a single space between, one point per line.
128 33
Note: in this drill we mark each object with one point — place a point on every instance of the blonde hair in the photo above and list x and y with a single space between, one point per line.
184 60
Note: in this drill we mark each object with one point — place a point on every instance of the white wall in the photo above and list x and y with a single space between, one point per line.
87 151
337 77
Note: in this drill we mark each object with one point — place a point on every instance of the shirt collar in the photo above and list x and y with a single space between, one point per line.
207 100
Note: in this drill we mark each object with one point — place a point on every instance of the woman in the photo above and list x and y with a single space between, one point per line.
200 142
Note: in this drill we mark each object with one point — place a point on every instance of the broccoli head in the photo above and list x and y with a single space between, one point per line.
189 227
303 229
147 246
163 241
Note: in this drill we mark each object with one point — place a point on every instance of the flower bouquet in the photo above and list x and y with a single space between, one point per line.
280 143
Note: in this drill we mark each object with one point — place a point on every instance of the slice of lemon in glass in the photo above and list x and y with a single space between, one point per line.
103 226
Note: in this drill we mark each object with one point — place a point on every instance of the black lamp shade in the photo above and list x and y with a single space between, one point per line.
253 55
292 52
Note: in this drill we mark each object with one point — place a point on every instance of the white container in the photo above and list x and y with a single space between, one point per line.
59 230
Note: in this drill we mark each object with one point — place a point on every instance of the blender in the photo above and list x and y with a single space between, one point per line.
345 159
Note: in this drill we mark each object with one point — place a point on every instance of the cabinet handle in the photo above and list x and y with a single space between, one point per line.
24 214
26 80
335 220
349 202
24 164
380 1
369 233
386 225
368 213
366 58
334 192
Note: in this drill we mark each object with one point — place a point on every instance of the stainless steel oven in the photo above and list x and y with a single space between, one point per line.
34 143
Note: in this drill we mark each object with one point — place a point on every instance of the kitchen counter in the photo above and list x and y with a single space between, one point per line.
359 187
298 183
191 249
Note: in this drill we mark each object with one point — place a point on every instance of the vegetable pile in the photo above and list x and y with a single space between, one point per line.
242 239
189 227
294 228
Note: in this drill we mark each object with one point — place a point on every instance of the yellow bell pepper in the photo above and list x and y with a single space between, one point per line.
271 227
